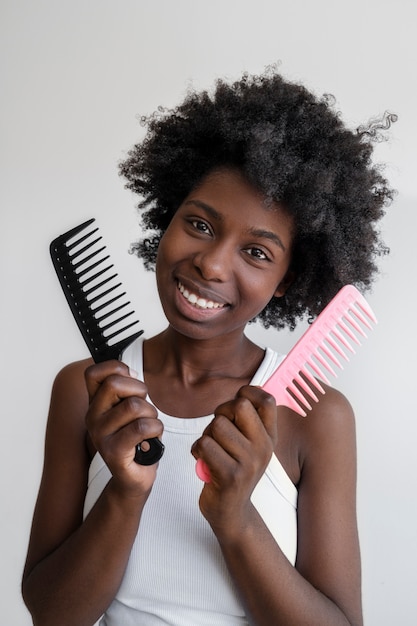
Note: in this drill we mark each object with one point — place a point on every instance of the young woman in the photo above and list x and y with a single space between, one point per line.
260 204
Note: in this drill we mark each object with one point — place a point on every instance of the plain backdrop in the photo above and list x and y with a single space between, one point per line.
75 76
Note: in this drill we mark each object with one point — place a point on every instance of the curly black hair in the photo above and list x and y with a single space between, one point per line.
294 148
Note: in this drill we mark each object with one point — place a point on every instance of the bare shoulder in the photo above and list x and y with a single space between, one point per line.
304 440
62 490
68 406
330 425
71 378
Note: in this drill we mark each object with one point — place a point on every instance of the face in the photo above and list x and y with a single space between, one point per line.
223 257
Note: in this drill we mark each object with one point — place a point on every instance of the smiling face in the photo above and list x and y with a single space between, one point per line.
223 257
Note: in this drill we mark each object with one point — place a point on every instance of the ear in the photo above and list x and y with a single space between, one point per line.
284 284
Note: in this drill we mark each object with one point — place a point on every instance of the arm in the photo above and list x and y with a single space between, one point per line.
324 587
74 568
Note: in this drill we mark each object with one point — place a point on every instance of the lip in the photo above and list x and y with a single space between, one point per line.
192 309
202 292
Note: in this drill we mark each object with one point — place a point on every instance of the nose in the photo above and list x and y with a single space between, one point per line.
214 262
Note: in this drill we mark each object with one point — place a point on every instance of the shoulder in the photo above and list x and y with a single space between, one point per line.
67 457
313 444
330 426
72 373
69 385
327 452
68 406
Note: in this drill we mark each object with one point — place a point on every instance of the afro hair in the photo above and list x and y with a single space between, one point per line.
292 147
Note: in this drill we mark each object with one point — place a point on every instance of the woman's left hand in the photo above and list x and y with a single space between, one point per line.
236 447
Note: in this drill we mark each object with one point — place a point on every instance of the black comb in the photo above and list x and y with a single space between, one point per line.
92 291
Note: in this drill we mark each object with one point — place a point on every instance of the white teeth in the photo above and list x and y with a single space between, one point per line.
202 303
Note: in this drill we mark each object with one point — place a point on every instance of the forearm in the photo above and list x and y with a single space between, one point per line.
77 581
271 589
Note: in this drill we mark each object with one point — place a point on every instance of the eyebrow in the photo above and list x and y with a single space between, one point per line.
207 208
255 232
268 234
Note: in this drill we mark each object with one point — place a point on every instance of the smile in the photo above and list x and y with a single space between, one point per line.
197 301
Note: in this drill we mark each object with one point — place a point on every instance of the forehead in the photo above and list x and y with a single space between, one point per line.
224 194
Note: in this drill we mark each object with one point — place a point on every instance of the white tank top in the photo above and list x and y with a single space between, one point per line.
176 574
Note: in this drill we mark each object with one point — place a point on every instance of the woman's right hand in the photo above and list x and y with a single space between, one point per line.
118 419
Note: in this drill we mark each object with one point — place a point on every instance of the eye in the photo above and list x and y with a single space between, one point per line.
201 226
257 253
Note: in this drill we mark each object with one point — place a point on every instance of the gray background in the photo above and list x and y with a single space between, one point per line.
74 76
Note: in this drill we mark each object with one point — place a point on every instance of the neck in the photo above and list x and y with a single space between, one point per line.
191 361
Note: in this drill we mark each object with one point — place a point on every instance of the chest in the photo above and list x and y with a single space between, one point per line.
192 400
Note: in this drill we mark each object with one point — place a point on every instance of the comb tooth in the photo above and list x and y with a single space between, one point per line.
114 322
323 362
88 258
348 331
91 267
121 330
317 370
85 248
336 347
330 355
292 404
362 303
98 337
312 380
302 383
300 397
102 294
361 317
118 308
108 302
97 275
355 324
99 285
70 246
342 339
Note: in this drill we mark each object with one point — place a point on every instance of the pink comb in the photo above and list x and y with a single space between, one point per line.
294 382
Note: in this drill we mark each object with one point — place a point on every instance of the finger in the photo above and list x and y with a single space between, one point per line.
247 426
263 403
115 388
222 438
106 423
121 446
265 407
230 435
241 415
237 424
239 428
96 374
212 460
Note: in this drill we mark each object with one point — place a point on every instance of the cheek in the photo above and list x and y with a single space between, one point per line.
165 250
257 292
171 241
170 254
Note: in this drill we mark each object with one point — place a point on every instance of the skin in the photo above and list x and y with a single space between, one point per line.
213 250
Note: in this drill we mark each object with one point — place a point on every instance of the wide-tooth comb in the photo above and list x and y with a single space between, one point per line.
320 350
316 354
93 293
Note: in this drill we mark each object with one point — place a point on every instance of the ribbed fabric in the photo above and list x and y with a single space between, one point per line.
176 574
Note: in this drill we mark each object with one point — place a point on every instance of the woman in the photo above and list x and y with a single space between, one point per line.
260 204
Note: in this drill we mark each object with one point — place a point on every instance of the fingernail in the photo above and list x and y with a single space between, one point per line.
133 373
